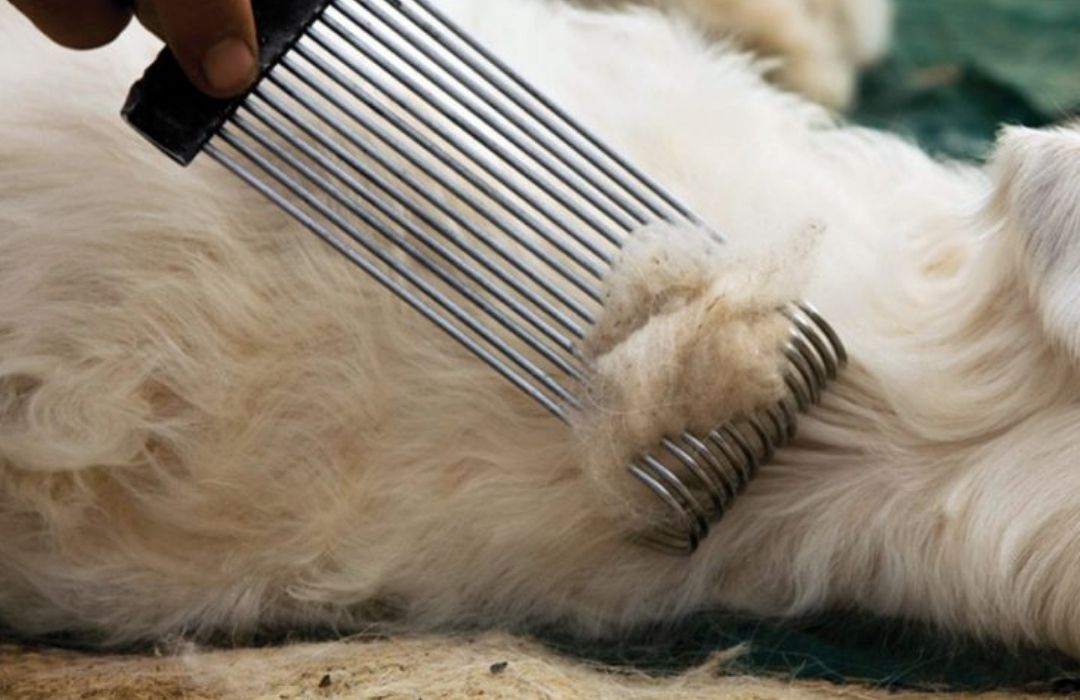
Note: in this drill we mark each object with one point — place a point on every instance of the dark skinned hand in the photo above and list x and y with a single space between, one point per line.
213 40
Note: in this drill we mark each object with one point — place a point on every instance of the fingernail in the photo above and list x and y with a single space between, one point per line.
229 66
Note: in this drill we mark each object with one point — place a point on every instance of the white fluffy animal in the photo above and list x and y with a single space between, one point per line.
210 424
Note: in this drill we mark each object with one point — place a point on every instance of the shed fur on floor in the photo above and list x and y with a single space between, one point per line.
490 666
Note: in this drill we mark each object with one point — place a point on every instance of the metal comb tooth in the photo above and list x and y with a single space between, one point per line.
397 138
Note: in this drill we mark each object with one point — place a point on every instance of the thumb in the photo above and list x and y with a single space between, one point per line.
213 40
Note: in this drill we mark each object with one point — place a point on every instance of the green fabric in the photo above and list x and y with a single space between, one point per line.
958 70
840 647
961 68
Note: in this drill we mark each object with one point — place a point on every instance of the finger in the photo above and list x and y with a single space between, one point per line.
147 14
77 24
212 40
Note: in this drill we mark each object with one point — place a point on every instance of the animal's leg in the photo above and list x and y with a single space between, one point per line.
961 509
820 44
1038 176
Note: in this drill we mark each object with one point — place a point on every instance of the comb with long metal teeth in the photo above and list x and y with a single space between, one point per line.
390 133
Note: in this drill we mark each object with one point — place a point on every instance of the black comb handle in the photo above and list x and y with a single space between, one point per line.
172 114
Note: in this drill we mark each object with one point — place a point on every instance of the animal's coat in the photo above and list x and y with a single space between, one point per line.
210 424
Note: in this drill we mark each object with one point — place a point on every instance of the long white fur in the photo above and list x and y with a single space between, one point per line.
816 46
210 424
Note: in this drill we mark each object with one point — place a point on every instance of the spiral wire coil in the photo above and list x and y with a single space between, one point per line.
699 476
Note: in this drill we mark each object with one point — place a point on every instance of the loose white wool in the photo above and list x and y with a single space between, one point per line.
211 424
689 337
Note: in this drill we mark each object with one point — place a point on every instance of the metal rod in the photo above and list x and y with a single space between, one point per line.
448 256
429 98
510 257
445 158
385 258
412 300
490 103
498 63
539 113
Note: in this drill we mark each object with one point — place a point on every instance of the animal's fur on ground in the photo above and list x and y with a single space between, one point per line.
211 424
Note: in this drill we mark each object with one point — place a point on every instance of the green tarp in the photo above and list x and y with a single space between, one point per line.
960 68
839 647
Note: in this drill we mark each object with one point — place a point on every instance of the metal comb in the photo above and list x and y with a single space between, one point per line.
390 133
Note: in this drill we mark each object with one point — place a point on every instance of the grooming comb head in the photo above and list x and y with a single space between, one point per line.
394 136
172 114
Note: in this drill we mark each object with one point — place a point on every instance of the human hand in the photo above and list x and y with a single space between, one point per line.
212 40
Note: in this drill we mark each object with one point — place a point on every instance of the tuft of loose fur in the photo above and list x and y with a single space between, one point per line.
689 337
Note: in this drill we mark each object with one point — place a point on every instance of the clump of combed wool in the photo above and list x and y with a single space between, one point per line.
690 337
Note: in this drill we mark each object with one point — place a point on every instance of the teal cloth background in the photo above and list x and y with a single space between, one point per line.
961 68
840 647
957 71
